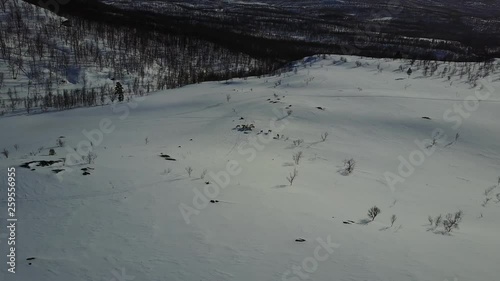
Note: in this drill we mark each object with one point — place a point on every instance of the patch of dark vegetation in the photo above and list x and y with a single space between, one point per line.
167 157
87 170
57 171
425 117
40 163
244 127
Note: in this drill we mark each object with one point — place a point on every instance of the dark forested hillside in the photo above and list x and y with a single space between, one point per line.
285 30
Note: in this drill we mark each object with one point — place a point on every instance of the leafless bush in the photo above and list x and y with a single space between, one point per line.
146 140
373 212
437 221
16 147
298 142
393 219
452 221
324 136
90 158
40 149
289 112
189 170
228 97
167 171
5 153
431 220
349 165
292 176
203 174
485 201
297 156
488 191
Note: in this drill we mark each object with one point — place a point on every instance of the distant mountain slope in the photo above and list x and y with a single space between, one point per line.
474 24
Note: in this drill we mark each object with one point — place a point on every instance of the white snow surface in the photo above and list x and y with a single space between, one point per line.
123 221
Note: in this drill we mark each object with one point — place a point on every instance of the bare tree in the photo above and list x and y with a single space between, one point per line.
296 157
292 176
452 221
373 212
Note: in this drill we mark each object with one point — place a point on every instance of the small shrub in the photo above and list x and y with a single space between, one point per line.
5 153
189 170
52 152
16 147
228 97
373 212
393 219
245 127
146 140
437 221
296 157
289 112
324 136
203 174
90 158
298 142
488 191
485 202
431 220
349 165
292 176
452 221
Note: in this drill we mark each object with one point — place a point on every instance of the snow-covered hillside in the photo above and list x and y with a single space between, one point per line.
136 214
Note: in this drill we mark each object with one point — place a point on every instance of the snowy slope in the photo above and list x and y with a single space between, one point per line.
130 218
